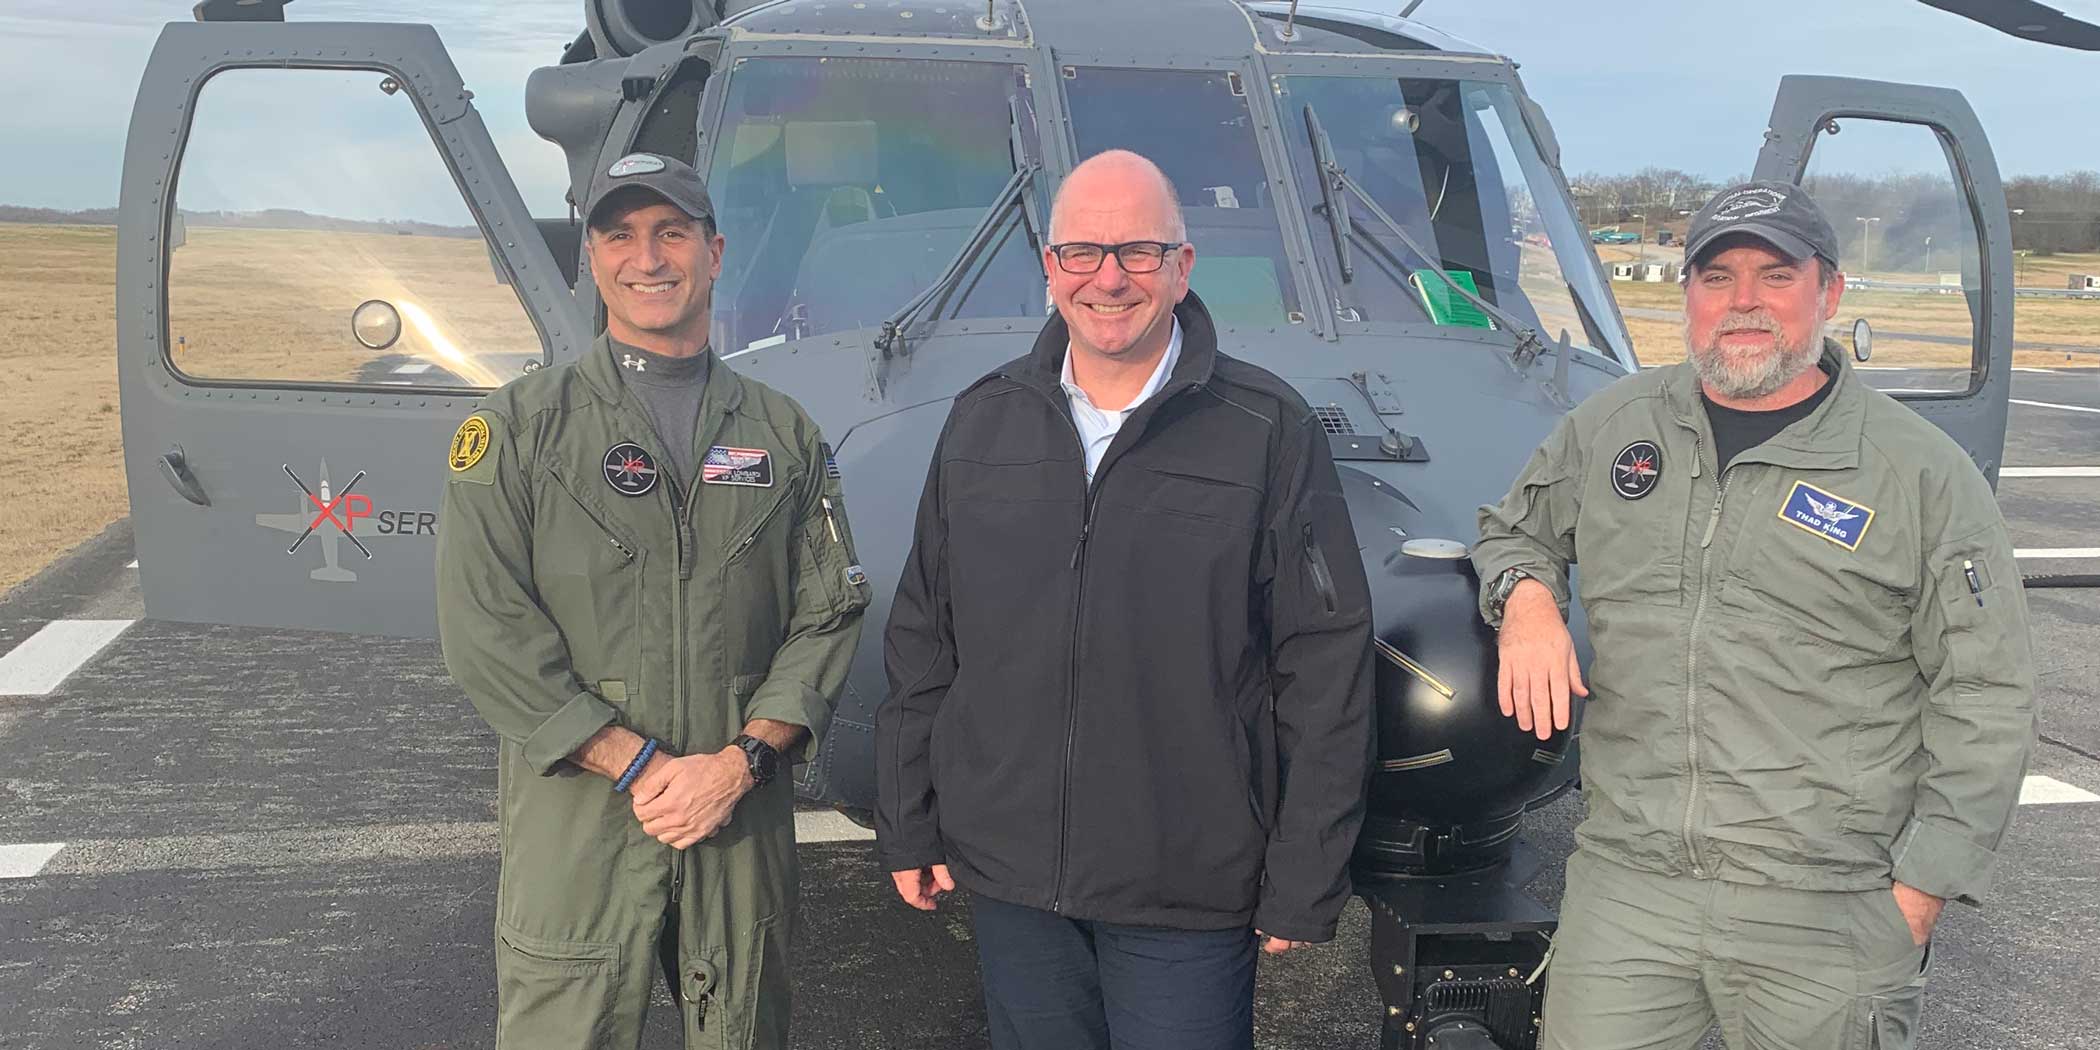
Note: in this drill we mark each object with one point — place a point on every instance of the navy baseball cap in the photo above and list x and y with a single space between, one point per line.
1780 214
667 177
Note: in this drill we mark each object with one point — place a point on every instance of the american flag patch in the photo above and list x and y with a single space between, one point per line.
831 461
725 465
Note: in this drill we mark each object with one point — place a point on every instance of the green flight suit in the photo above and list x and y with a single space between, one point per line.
565 604
1812 677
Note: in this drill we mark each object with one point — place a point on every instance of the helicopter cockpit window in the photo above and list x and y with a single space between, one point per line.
304 197
845 186
1452 164
1195 125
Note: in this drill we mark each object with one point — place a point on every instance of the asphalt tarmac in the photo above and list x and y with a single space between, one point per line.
216 837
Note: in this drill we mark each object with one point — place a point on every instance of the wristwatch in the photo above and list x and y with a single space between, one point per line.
1498 595
763 759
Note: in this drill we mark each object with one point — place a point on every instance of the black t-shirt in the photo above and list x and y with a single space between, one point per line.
1736 431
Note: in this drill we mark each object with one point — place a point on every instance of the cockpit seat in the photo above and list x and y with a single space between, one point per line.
831 182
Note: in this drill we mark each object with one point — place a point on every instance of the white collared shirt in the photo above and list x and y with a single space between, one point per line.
1097 428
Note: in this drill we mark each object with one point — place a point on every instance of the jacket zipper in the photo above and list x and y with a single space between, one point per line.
1323 581
1691 684
1086 528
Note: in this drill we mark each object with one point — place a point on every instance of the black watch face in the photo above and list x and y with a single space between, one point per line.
764 760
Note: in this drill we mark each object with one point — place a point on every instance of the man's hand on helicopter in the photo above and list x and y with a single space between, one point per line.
922 887
681 801
1538 666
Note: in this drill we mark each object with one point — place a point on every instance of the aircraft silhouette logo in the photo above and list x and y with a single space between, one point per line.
332 514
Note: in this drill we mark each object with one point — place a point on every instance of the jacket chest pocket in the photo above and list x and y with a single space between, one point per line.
588 568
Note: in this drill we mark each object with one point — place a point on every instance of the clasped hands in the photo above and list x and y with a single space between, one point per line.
682 800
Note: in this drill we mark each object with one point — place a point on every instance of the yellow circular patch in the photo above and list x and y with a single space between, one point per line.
469 442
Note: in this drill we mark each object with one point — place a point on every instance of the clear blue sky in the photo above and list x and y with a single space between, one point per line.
1631 83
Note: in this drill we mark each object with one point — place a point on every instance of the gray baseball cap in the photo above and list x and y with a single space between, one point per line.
1780 214
667 177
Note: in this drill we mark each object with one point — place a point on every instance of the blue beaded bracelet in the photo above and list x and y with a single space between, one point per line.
634 768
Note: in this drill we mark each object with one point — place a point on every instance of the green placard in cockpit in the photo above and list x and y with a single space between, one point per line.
1446 306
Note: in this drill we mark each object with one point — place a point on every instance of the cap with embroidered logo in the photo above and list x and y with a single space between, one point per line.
667 177
1780 214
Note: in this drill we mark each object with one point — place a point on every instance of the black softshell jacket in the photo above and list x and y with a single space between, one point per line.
1148 702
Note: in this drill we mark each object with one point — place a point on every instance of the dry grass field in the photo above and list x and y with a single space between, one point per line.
270 304
276 304
61 455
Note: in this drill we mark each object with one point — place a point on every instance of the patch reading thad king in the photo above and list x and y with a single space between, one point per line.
724 465
1830 516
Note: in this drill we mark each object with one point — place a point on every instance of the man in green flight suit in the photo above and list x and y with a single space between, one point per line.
1812 700
646 585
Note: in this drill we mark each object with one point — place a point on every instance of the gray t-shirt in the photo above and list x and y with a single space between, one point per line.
669 389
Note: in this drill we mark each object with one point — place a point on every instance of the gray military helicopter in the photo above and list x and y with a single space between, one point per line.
1380 214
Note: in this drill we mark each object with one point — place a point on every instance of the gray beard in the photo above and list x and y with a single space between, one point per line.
1748 379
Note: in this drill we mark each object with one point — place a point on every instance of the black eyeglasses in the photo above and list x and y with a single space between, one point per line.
1132 256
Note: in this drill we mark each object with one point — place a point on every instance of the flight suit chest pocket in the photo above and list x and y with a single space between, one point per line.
1638 504
587 568
762 526
1843 589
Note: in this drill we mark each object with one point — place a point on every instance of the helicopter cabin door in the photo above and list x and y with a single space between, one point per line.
322 266
1906 176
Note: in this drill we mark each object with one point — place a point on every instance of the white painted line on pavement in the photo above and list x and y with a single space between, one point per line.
2049 472
1879 368
415 369
135 562
39 664
2044 371
2045 404
2056 552
828 826
2039 790
24 861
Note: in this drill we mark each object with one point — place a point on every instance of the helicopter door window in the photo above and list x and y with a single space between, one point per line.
1911 254
1198 130
324 241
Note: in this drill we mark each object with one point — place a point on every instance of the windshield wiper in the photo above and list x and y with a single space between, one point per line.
1529 344
1015 192
1331 199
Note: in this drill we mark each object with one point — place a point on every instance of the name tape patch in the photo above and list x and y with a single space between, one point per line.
725 465
1826 514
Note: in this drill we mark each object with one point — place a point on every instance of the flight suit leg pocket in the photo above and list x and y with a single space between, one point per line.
764 987
554 993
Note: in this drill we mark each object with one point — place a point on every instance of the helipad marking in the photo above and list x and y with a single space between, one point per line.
133 565
2039 790
26 860
2047 404
2056 552
418 368
46 658
2049 472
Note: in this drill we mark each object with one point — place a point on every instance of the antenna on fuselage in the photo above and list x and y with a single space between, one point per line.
991 20
1289 21
1410 9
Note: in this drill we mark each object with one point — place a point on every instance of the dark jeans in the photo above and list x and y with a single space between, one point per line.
1052 983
